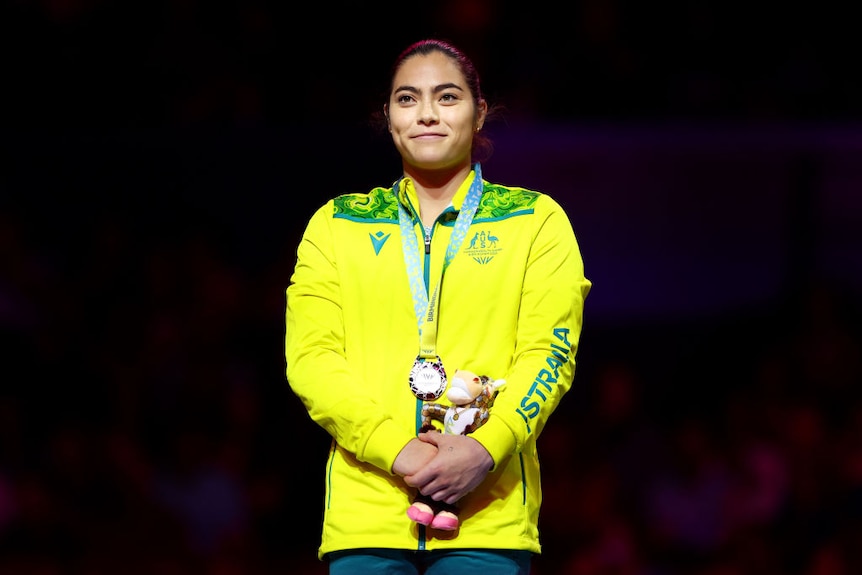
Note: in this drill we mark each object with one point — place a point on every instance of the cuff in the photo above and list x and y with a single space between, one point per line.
497 438
385 444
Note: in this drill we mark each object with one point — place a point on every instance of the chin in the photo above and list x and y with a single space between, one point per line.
433 163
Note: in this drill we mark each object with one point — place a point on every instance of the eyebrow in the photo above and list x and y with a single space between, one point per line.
437 89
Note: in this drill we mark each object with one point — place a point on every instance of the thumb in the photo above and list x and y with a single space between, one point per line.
431 437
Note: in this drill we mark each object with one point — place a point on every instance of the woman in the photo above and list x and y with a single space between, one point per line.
372 330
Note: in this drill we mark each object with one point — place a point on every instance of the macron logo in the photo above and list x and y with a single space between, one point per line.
377 240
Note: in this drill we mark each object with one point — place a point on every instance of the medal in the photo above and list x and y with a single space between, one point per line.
427 379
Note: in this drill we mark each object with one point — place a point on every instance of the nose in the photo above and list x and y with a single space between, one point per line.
428 113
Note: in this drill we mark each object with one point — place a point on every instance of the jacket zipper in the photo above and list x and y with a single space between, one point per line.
426 274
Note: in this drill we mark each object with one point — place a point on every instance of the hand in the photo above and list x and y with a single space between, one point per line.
413 457
460 465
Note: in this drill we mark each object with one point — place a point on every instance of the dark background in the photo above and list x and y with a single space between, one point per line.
160 159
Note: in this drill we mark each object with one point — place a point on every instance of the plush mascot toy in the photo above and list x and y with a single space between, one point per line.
472 397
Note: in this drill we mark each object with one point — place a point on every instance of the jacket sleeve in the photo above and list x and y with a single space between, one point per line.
316 366
547 336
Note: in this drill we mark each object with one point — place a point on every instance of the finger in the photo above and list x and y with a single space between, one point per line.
454 498
431 437
438 495
434 490
449 496
424 480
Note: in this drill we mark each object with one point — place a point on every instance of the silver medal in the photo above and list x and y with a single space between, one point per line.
427 379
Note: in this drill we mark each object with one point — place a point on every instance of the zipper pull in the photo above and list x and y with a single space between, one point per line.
427 241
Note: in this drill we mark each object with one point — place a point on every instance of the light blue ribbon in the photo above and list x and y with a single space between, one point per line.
426 315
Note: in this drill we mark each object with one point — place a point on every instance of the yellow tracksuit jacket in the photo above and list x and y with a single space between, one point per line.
511 307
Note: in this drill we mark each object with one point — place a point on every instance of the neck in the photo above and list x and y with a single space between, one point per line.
436 188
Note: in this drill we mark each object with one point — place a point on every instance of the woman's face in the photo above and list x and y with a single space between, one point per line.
431 112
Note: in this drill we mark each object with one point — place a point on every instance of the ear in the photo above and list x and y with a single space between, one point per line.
386 115
481 114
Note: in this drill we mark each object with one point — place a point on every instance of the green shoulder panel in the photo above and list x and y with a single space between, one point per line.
497 202
378 204
502 201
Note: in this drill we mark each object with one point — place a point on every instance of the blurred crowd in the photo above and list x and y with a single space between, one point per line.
146 426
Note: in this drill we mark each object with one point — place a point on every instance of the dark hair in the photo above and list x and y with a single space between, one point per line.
482 145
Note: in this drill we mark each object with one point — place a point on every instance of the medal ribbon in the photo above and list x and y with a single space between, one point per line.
426 313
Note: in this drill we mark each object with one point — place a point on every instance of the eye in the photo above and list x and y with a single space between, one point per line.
449 98
404 98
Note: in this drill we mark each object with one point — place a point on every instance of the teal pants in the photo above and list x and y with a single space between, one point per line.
449 562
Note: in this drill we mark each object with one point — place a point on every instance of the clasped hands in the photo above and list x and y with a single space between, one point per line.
444 467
